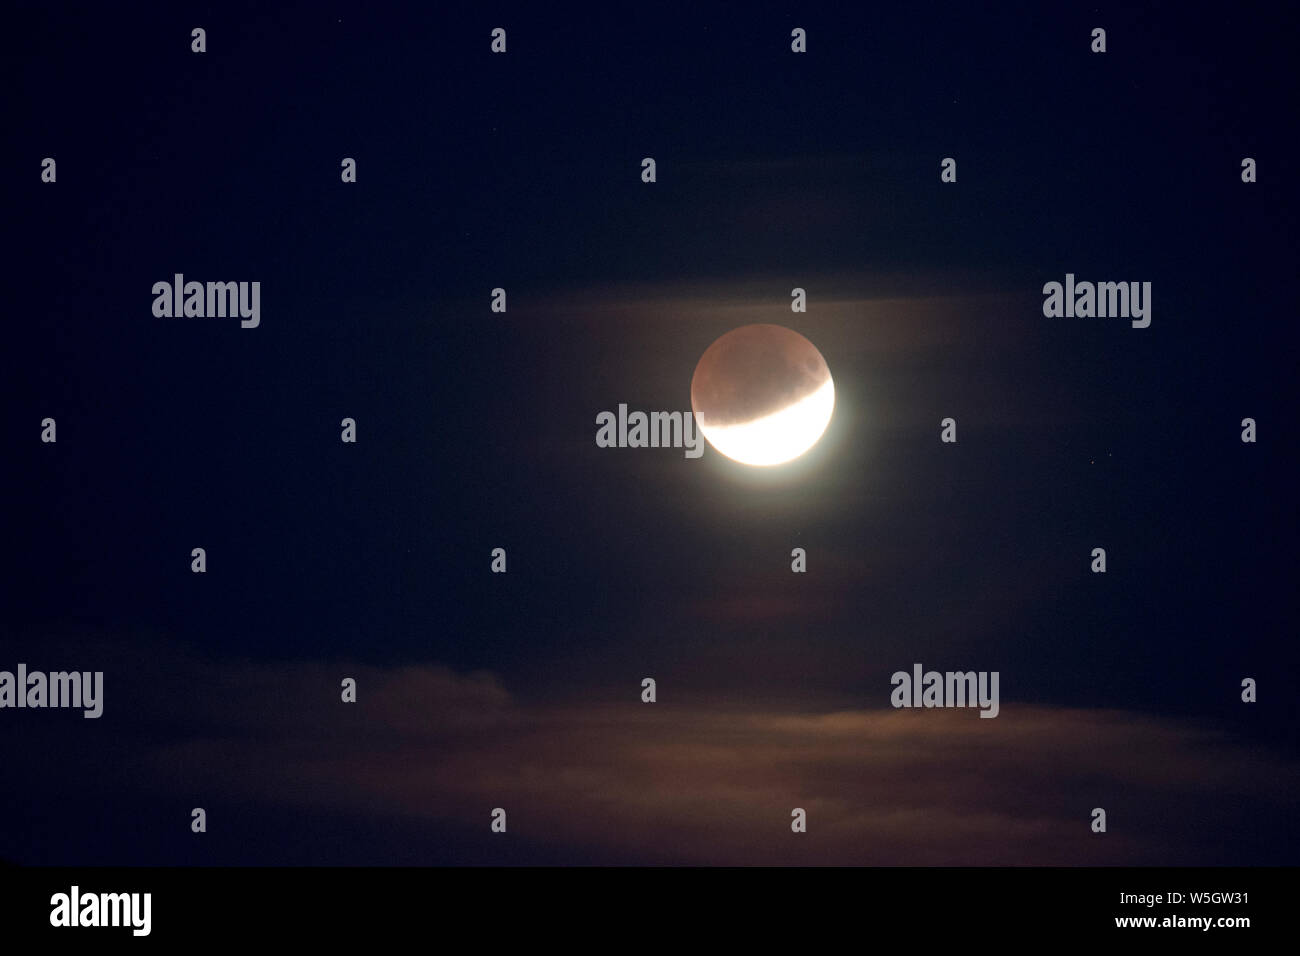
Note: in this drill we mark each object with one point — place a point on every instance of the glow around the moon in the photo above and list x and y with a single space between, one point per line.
779 437
762 394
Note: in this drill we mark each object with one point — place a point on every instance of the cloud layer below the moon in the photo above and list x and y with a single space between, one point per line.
426 748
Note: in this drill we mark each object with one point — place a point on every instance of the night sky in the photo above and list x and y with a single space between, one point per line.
476 430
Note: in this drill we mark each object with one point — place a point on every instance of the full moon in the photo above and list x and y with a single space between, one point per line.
762 394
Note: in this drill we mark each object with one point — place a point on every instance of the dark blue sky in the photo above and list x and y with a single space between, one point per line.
477 429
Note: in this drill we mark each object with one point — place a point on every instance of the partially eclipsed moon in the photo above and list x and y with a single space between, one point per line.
762 394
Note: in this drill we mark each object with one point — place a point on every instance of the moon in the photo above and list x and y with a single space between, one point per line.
762 395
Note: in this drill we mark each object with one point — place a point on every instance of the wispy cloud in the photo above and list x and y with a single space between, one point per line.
661 783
